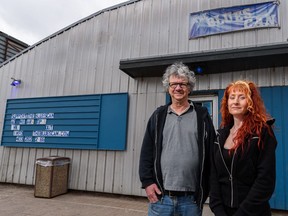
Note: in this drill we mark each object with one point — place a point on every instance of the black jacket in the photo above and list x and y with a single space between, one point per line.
150 167
250 181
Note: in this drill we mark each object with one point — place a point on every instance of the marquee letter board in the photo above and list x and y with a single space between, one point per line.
72 122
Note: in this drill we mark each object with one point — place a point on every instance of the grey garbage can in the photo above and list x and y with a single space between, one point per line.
51 176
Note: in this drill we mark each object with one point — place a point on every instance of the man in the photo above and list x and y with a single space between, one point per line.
174 161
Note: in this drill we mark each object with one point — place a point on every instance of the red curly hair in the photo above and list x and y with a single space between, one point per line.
254 120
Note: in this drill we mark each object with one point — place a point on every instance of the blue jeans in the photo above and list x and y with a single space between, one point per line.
175 206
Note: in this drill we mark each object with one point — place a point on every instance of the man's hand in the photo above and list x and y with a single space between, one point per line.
152 191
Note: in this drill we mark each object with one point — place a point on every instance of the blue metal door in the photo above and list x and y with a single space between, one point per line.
276 102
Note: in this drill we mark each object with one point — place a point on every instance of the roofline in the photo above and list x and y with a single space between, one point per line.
69 27
15 40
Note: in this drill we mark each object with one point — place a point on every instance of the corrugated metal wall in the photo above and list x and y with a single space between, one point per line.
84 59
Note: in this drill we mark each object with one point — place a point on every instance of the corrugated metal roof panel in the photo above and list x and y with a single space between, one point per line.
10 46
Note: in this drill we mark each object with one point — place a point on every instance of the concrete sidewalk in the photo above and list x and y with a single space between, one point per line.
19 200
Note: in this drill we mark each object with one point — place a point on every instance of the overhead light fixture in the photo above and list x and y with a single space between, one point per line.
15 82
199 70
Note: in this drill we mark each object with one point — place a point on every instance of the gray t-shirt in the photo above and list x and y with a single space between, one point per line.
180 158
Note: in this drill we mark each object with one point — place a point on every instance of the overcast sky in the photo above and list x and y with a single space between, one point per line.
33 20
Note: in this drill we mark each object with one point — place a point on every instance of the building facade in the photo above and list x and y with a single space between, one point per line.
111 63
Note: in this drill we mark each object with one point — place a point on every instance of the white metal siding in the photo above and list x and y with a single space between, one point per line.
84 59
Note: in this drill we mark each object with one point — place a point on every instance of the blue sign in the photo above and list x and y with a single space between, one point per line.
97 121
238 18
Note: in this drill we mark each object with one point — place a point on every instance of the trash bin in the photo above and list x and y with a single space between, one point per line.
51 176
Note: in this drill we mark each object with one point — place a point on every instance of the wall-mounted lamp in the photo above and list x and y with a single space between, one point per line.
15 82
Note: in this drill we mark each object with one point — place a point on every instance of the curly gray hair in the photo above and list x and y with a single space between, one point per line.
178 69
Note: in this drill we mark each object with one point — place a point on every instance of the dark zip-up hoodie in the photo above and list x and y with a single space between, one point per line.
249 183
150 167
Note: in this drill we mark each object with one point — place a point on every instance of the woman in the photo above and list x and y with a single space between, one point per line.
243 155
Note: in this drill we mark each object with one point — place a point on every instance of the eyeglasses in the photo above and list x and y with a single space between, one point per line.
181 85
